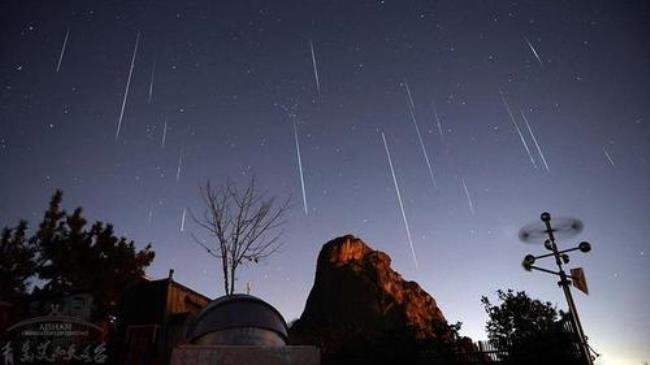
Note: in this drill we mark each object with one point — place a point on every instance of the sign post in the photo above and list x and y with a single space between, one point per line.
579 280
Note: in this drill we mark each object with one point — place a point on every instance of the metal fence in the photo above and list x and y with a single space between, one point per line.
487 353
483 353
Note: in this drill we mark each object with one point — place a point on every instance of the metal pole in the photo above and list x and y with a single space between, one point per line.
574 311
564 283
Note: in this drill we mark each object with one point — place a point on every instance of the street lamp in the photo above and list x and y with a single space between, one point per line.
567 227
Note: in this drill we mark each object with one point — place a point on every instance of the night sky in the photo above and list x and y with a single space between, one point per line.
227 83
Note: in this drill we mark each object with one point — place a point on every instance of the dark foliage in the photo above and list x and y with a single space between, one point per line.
17 264
529 331
68 257
397 346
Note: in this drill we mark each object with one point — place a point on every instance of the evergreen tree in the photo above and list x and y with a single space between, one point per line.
17 264
68 257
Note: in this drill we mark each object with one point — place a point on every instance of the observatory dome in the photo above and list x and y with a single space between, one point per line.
238 319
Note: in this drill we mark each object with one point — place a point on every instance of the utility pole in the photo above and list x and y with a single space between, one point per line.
561 258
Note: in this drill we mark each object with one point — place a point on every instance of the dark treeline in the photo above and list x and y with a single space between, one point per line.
65 255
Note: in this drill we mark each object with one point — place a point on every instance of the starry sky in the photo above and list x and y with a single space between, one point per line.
456 87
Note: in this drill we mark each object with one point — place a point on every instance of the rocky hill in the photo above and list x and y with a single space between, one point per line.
360 310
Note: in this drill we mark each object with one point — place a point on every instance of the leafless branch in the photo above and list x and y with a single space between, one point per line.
243 224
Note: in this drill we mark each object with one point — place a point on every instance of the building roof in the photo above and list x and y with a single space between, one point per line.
148 302
237 311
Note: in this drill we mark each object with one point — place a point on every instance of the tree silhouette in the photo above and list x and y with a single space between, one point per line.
67 258
529 331
17 263
243 225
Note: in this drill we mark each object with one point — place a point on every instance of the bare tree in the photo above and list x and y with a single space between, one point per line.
243 224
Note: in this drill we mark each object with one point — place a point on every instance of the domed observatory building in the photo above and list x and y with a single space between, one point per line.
238 320
241 329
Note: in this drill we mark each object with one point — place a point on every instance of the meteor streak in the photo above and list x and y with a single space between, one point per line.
180 164
302 178
435 115
399 199
409 98
609 157
417 130
183 221
128 84
313 61
539 150
164 134
469 198
521 136
153 74
530 45
65 43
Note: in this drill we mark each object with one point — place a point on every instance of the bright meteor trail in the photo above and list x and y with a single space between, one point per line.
65 43
521 136
469 198
530 45
183 220
164 134
399 199
313 61
539 150
128 84
302 178
411 106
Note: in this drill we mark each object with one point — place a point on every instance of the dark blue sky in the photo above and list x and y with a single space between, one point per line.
224 75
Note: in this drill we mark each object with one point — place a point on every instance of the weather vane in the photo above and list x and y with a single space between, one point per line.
565 228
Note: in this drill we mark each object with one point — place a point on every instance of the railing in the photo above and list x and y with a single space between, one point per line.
484 353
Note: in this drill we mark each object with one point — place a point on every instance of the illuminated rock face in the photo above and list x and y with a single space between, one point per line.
359 300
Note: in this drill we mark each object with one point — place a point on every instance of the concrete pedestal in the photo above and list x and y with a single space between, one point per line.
245 355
